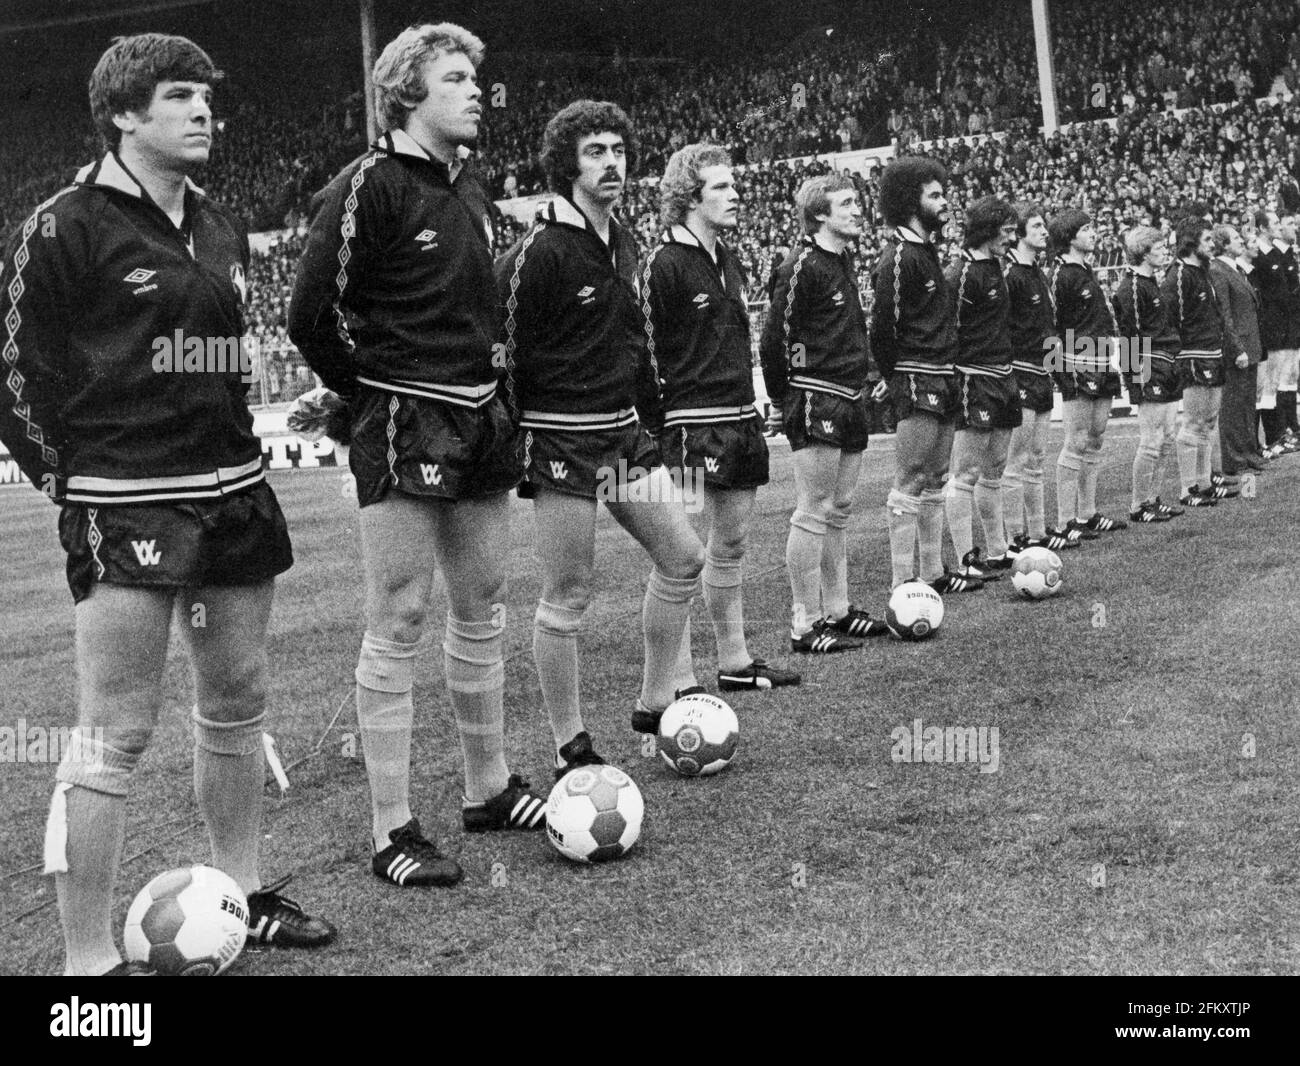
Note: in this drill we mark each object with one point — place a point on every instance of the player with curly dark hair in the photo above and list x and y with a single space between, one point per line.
584 388
914 339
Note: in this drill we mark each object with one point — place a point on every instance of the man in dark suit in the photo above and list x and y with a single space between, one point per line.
1270 280
1239 306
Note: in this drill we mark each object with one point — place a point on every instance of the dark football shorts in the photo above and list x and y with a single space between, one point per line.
239 539
988 402
424 447
1200 373
1163 384
729 455
930 394
1088 384
810 417
597 464
1034 390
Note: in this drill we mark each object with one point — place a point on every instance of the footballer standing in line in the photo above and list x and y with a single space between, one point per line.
1153 384
395 309
1189 295
1086 330
989 408
1031 325
816 365
164 506
697 334
914 339
578 375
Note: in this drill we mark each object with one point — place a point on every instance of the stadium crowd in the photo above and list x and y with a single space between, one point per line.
866 84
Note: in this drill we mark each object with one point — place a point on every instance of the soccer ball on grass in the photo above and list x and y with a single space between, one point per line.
698 735
915 611
1036 573
190 922
594 813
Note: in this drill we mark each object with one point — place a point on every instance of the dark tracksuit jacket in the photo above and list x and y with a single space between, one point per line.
697 331
1030 317
104 396
1194 310
575 340
395 288
1083 314
815 337
980 305
913 329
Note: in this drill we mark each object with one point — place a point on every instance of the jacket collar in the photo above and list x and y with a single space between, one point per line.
564 212
1014 256
399 142
906 233
111 173
681 235
973 255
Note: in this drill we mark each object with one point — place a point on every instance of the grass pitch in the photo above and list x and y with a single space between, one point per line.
1142 818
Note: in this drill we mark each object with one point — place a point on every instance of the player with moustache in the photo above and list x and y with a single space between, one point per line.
1086 332
1194 309
697 334
164 508
989 410
395 309
586 395
1153 382
914 341
817 367
1031 325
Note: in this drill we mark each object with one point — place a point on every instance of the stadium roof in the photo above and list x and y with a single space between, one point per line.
34 14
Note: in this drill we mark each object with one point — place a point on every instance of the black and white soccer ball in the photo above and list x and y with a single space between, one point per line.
594 814
1036 574
915 611
190 922
698 735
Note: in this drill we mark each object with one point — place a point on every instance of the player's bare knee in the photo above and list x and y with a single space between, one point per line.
728 543
689 562
572 596
240 693
965 475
